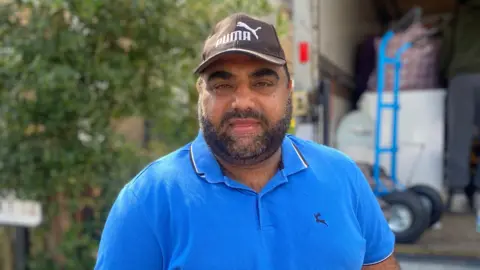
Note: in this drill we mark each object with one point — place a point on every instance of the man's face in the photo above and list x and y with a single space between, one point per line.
245 108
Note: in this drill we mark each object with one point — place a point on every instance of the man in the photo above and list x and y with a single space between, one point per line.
243 195
460 67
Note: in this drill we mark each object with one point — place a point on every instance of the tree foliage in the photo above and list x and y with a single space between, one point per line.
71 68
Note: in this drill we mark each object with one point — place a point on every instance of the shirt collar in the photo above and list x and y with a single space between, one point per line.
206 166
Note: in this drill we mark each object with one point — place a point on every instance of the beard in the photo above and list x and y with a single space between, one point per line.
260 147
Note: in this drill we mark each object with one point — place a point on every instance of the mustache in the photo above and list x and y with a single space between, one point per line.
243 114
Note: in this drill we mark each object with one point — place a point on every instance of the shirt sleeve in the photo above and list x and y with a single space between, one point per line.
128 241
380 240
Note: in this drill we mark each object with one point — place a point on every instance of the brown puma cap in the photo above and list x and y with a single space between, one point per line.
240 33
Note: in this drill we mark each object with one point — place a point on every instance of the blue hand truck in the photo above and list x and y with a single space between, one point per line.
413 210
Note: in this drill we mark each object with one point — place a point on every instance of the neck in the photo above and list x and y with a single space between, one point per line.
254 176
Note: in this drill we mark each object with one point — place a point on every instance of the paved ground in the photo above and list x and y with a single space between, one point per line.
426 263
456 237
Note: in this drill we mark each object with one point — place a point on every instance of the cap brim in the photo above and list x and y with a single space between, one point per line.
213 58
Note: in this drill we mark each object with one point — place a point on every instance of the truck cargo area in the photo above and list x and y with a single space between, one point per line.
335 46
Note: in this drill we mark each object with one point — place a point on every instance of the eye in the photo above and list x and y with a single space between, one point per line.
223 86
263 84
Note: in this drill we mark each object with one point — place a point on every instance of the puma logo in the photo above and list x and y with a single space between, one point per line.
244 25
320 220
238 34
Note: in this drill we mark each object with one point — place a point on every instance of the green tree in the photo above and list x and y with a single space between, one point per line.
68 68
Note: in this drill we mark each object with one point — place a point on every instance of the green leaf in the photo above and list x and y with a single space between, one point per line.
66 74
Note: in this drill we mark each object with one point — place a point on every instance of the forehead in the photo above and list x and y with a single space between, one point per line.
238 64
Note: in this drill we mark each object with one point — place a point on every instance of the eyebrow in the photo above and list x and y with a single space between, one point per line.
265 72
219 75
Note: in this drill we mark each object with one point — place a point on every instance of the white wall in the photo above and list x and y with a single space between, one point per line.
342 25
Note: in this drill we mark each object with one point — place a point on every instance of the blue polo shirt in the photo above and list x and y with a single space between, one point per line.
182 212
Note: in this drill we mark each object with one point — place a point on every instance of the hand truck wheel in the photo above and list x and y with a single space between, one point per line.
407 216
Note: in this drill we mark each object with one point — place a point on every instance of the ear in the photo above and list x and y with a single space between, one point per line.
290 85
200 85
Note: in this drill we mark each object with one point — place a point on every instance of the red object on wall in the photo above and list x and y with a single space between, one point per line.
303 52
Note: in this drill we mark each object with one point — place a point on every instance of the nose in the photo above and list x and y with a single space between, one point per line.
243 98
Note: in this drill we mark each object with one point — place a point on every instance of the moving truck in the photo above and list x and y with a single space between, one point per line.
325 36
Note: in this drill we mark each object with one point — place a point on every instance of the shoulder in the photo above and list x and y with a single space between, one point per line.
335 167
330 166
160 179
318 155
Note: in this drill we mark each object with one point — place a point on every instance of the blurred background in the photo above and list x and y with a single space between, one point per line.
93 90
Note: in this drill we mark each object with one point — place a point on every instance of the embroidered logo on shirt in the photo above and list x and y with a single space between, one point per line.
318 219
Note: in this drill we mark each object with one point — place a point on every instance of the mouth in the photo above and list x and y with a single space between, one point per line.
244 126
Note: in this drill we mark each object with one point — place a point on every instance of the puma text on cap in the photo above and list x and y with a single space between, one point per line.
240 33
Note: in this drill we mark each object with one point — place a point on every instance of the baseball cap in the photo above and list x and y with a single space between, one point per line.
240 33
